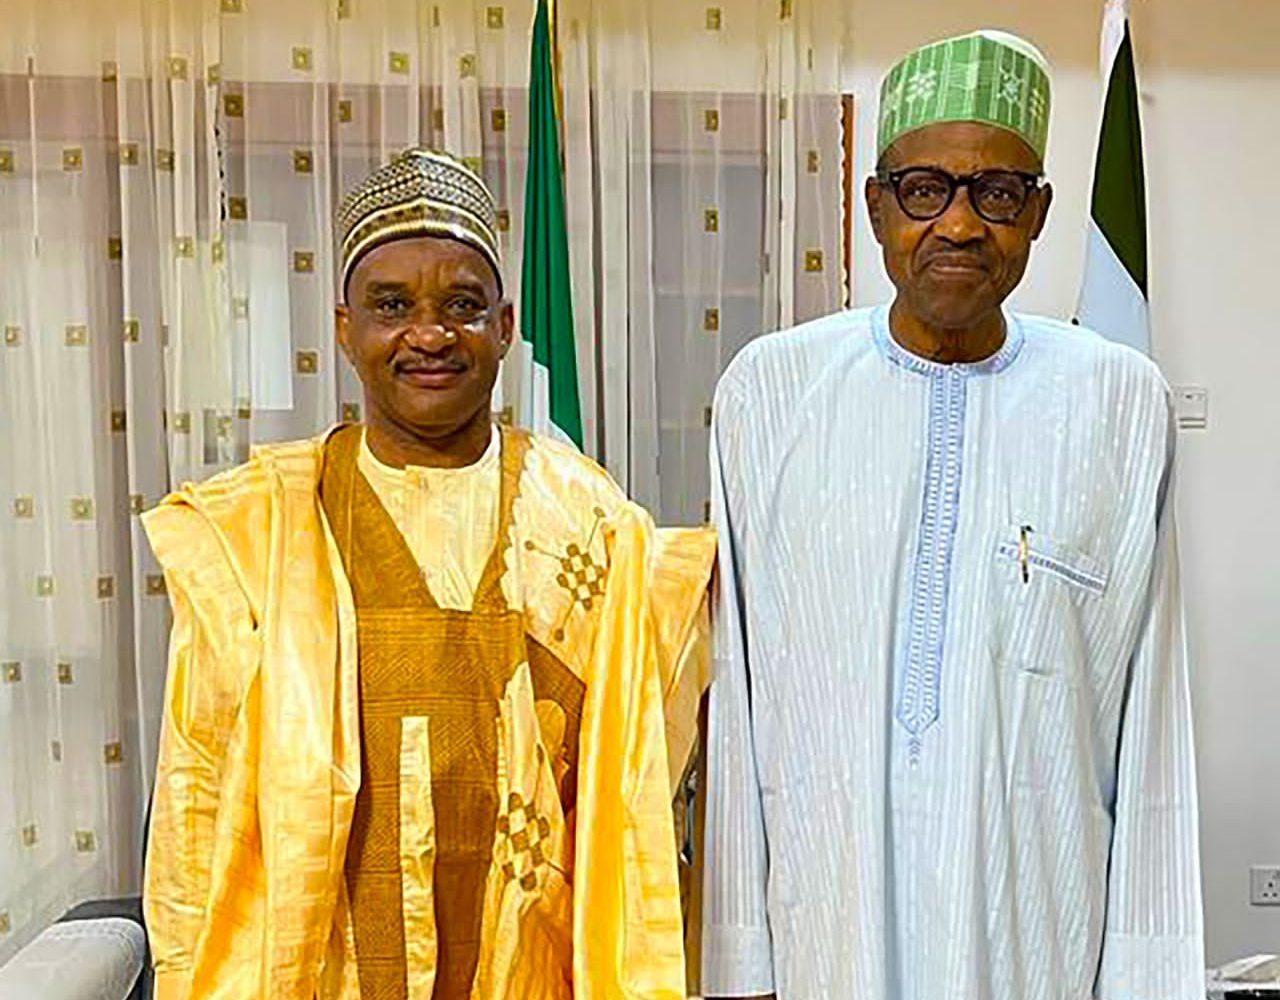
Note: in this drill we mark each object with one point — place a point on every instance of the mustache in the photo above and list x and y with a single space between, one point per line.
419 364
955 257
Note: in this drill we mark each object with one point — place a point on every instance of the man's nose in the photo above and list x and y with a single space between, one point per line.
960 223
430 336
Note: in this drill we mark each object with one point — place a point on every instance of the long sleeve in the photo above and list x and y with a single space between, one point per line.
737 958
628 939
1153 947
210 663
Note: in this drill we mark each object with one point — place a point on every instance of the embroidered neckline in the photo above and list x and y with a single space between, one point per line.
899 355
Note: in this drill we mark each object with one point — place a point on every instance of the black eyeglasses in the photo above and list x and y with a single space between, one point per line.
924 193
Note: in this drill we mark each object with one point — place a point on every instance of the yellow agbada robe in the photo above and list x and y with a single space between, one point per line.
260 766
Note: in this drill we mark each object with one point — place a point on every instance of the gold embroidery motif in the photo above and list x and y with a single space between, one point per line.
522 831
580 575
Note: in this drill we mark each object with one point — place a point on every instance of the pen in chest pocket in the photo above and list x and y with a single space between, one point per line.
1024 552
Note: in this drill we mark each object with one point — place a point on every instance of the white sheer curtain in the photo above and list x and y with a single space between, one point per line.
709 138
168 175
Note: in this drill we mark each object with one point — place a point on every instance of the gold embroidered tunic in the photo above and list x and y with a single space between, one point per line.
310 765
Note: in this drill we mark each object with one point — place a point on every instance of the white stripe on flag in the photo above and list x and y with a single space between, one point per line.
1114 19
536 402
1111 302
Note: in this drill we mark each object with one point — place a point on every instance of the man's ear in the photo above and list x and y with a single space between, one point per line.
342 327
507 319
1045 200
874 194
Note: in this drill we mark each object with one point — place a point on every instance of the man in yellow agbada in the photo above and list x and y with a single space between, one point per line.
414 740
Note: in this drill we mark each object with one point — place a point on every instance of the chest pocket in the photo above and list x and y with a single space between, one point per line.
1046 600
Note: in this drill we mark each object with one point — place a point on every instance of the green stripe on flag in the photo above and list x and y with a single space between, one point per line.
1119 188
546 310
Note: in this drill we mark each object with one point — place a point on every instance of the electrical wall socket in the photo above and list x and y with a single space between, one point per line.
1264 885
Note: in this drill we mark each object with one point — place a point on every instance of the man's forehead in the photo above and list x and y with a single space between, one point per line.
963 147
412 262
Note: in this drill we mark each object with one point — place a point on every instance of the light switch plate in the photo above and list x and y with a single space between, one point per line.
1191 405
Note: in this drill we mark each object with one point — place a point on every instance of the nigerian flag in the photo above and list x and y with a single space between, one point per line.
549 395
1113 299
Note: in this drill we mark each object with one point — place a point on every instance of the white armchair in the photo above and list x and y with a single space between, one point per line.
98 951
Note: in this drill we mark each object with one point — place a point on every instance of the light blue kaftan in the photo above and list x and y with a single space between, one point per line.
927 778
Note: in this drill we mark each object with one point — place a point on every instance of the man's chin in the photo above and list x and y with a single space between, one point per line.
438 422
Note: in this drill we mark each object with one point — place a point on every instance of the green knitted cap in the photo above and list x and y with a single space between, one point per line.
989 77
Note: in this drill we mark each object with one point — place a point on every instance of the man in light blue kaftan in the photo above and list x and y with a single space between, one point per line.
949 744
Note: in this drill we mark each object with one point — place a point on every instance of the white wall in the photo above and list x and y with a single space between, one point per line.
1210 74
